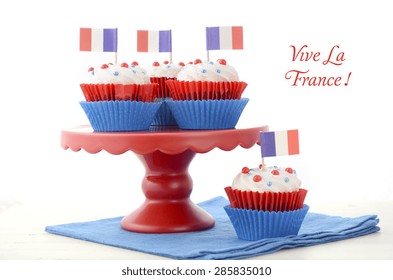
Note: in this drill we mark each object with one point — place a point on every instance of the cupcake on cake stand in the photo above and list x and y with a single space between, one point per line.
166 154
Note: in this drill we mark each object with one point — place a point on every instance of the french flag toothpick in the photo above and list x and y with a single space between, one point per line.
98 39
224 38
154 41
279 143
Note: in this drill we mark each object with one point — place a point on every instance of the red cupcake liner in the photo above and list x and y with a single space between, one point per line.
162 90
98 92
112 92
266 201
204 90
135 92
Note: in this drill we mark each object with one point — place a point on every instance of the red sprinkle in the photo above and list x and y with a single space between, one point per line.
245 170
124 65
166 62
275 172
289 170
222 61
182 64
197 61
104 66
155 63
91 69
134 63
257 178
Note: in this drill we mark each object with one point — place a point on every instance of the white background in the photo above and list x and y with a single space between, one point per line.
345 132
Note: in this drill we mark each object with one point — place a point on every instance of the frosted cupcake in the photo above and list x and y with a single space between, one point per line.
207 80
268 188
119 98
118 82
266 202
160 73
207 95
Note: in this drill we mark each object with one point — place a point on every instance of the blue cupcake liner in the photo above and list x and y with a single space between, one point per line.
116 116
164 115
254 225
207 114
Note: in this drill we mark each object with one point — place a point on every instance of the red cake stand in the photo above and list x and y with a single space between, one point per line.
166 153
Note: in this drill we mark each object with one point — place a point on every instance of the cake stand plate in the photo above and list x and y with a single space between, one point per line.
166 153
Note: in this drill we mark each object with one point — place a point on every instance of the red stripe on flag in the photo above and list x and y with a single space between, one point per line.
293 142
142 41
237 37
85 39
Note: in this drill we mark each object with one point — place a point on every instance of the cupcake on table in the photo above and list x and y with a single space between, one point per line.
268 201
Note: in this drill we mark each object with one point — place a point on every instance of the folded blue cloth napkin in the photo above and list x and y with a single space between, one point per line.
219 242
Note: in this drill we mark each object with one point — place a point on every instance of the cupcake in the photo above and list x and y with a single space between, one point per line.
160 73
266 202
118 82
207 95
119 98
266 188
207 80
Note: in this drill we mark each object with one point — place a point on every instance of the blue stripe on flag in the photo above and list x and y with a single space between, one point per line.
212 38
110 40
268 144
165 41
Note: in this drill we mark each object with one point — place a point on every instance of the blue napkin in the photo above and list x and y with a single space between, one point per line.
219 242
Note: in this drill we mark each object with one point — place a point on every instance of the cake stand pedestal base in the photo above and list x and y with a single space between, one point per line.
167 187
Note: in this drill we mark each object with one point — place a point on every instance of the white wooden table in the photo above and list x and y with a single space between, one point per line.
23 236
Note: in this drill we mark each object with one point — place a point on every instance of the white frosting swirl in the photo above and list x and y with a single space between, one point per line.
118 74
208 71
167 70
267 179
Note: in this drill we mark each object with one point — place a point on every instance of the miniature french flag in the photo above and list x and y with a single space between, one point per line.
154 40
279 143
224 38
98 39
